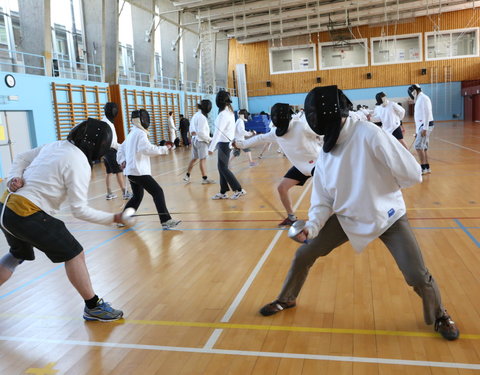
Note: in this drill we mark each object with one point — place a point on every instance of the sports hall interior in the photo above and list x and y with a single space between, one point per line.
191 295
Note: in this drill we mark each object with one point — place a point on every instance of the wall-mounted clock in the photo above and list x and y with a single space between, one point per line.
10 80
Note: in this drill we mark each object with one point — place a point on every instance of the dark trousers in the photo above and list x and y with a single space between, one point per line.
185 139
227 178
401 243
148 183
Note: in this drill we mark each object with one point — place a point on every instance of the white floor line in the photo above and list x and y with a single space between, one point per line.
455 144
236 302
317 357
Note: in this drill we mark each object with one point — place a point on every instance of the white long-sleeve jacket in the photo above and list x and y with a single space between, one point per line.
423 111
360 182
224 128
54 173
301 145
114 133
240 132
136 152
199 125
390 116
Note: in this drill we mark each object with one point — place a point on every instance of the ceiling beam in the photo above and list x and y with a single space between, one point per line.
298 31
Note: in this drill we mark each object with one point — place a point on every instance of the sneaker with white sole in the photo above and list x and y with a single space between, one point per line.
238 194
207 181
169 224
186 179
103 312
127 196
110 196
220 196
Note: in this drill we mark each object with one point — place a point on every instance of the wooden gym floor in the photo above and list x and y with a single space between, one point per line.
191 295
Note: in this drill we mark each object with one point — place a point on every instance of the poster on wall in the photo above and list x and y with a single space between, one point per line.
304 62
401 54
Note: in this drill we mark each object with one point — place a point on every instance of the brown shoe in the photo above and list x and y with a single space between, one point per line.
446 327
275 307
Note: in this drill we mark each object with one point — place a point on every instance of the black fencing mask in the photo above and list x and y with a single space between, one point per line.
379 97
205 106
111 111
222 99
324 109
144 117
413 91
281 114
93 137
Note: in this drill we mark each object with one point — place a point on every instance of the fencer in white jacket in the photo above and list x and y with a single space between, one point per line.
356 197
391 115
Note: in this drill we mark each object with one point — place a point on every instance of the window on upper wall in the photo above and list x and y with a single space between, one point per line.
396 49
345 54
452 44
292 59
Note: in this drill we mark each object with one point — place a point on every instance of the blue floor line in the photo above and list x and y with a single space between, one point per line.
465 229
42 276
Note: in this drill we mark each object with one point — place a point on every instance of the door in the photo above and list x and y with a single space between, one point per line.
14 137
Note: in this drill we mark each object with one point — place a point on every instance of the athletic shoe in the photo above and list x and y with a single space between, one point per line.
220 196
260 156
253 164
275 307
286 223
172 223
186 179
207 181
127 195
103 312
446 327
426 171
110 196
238 194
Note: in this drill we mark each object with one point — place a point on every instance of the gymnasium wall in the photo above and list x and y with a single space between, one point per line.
256 58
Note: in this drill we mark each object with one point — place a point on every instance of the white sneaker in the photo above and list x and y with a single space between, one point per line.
110 196
426 171
238 194
186 179
207 181
220 196
172 223
127 195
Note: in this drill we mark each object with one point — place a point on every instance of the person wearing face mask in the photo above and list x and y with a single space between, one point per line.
423 124
134 155
300 145
357 197
390 115
240 134
110 158
222 137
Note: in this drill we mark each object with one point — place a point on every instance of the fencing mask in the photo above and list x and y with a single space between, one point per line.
222 99
324 109
93 137
205 106
144 117
379 98
111 110
281 114
413 91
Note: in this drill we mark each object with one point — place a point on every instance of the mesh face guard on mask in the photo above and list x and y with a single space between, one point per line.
379 98
281 116
413 91
205 106
144 117
93 137
324 109
222 100
111 111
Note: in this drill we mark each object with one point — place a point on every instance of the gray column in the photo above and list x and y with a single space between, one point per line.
35 23
93 24
143 45
221 60
110 40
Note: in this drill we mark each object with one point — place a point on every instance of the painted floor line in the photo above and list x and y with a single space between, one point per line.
455 144
467 232
317 357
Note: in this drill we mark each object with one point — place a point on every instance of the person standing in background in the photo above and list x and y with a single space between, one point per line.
184 126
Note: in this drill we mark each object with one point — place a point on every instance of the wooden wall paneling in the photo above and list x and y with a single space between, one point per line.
191 105
256 58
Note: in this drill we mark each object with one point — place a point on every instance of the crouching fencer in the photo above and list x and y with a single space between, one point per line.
342 209
300 144
38 182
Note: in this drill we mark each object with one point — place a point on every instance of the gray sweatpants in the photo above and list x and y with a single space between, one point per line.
403 246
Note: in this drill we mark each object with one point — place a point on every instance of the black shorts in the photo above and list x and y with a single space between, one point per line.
110 161
294 174
397 133
42 231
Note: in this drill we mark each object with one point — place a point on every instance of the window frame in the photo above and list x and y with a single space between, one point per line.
291 48
395 38
353 41
451 32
